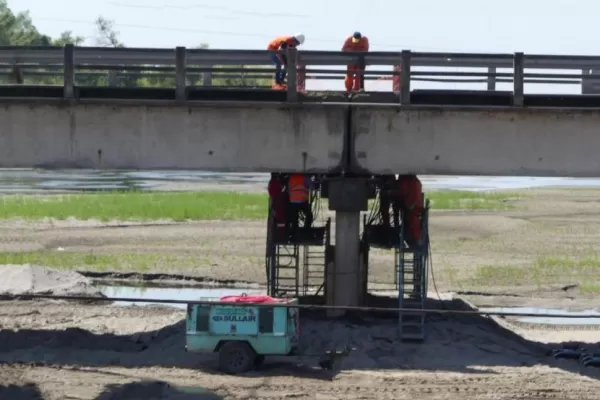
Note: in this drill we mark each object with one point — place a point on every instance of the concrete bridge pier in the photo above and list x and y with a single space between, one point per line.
345 279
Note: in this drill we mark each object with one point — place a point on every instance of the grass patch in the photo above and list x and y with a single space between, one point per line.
467 200
544 271
182 206
589 288
177 206
134 262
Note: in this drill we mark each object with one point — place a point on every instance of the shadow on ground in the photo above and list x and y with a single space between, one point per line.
155 390
459 343
28 391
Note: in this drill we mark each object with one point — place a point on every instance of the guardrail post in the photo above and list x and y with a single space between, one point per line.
405 77
16 76
491 81
518 79
113 78
396 80
69 72
207 76
292 74
180 66
362 63
301 77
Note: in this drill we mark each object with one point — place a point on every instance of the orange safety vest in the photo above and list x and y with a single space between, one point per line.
275 44
299 193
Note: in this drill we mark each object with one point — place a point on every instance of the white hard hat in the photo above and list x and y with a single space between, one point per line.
299 37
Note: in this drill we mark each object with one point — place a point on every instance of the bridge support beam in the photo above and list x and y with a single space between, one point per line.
345 278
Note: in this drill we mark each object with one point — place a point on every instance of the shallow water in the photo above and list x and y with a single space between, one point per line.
549 320
171 293
36 181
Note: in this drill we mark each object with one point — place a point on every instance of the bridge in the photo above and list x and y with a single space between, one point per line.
195 125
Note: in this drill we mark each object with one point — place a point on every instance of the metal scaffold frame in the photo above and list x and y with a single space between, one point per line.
412 276
410 266
287 276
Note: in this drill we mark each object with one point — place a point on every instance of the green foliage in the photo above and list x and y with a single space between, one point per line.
67 38
19 30
140 206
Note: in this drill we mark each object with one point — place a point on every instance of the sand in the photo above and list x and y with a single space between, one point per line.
89 351
34 279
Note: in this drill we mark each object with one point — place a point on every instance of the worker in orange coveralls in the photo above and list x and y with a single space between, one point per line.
411 191
278 201
281 44
299 186
355 43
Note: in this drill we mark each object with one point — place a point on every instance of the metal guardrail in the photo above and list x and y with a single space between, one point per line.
180 60
228 73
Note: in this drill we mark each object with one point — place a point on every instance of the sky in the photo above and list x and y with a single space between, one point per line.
530 26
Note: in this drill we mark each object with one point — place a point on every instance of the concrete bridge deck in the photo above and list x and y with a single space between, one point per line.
321 135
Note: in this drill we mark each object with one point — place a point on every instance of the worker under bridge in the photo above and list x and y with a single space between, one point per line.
298 235
299 250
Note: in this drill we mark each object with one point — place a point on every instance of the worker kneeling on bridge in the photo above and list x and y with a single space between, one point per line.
411 202
281 44
278 201
355 74
299 186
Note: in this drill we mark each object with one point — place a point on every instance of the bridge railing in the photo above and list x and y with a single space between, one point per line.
181 63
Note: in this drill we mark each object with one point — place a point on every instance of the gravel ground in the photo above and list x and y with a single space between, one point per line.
64 351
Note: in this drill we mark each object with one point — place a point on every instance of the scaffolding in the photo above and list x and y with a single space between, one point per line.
296 261
410 265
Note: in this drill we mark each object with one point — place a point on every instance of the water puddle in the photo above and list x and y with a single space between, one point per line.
197 393
549 320
479 184
169 293
42 181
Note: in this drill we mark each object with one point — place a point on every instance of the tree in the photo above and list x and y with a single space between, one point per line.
107 35
18 29
67 38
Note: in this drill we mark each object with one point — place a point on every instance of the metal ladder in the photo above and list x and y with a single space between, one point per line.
286 271
412 273
315 261
282 264
313 269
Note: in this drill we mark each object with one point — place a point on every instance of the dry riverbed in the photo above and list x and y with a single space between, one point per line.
543 252
546 246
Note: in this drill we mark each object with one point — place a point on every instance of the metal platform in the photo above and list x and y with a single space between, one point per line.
295 263
383 237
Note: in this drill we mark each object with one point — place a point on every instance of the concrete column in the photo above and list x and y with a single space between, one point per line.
345 279
348 282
